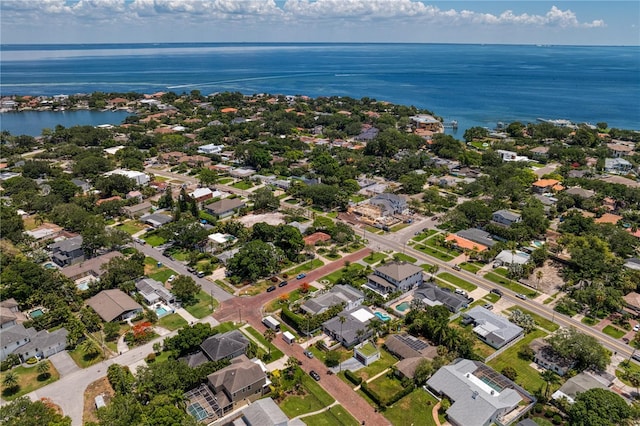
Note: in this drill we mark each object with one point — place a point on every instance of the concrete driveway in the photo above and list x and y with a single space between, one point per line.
63 362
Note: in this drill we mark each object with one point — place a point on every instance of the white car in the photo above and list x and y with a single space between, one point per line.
171 278
636 327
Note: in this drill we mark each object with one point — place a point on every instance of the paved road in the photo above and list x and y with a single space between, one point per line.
179 267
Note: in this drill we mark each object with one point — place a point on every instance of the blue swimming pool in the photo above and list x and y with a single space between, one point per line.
382 316
36 313
49 265
162 311
402 306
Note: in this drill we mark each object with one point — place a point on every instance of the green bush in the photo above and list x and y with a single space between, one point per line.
538 408
352 377
332 359
32 360
151 357
557 420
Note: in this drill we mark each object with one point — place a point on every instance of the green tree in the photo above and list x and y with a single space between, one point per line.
413 183
475 133
185 232
424 370
111 330
510 373
207 177
43 369
256 259
269 335
114 185
599 407
12 224
90 348
185 289
24 412
585 350
549 378
332 359
264 200
10 380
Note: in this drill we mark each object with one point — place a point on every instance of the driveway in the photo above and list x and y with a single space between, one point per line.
63 362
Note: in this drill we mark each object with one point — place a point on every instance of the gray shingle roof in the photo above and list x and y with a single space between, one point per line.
223 345
477 236
338 294
432 292
398 270
493 327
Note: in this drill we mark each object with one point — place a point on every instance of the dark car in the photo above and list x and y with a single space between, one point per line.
283 283
315 375
470 299
270 289
497 291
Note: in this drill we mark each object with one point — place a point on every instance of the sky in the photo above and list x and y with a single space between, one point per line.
564 22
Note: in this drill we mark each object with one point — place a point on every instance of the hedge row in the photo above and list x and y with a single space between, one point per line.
385 402
352 377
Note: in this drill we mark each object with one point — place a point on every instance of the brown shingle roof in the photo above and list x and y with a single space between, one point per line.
110 304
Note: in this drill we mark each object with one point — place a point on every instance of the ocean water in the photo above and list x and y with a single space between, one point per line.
477 85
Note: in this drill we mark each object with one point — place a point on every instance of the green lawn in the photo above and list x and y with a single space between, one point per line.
336 415
29 380
432 243
163 274
405 258
356 198
224 286
374 257
336 275
435 253
413 409
528 377
242 185
226 326
492 297
172 322
131 227
385 386
511 285
614 332
465 285
292 297
80 359
589 321
386 360
225 181
201 308
314 399
398 227
542 322
153 239
275 352
471 266
306 267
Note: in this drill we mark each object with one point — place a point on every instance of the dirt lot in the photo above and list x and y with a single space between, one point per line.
99 387
270 218
551 280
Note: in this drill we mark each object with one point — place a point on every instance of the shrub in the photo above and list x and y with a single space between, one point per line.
352 377
538 408
556 420
332 359
151 357
548 414
526 353
32 361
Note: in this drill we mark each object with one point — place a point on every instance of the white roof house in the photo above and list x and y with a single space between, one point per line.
210 149
506 257
493 329
139 177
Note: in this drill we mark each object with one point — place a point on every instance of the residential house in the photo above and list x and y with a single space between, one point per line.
84 185
43 344
302 227
477 236
493 329
632 303
8 317
427 122
139 177
226 255
172 157
108 199
14 337
92 268
210 149
241 173
114 304
137 195
582 382
411 351
46 231
433 295
315 238
547 358
349 296
394 276
480 396
619 150
507 257
156 219
67 252
225 207
390 204
580 192
617 165
609 218
464 244
353 329
539 152
154 291
511 156
545 186
137 210
227 345
219 241
201 194
264 412
242 381
506 217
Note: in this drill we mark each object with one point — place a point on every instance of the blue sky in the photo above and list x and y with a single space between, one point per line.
124 21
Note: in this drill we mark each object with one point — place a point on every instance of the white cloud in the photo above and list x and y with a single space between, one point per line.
292 11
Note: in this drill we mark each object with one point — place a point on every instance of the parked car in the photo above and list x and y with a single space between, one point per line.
171 278
140 241
301 276
270 289
470 299
636 327
315 375
521 296
497 291
308 354
457 267
283 283
488 306
200 274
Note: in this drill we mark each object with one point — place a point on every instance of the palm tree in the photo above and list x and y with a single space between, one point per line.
43 369
549 378
90 348
10 380
539 276
269 335
342 320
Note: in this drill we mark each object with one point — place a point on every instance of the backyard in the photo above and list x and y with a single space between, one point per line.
172 322
131 227
413 409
